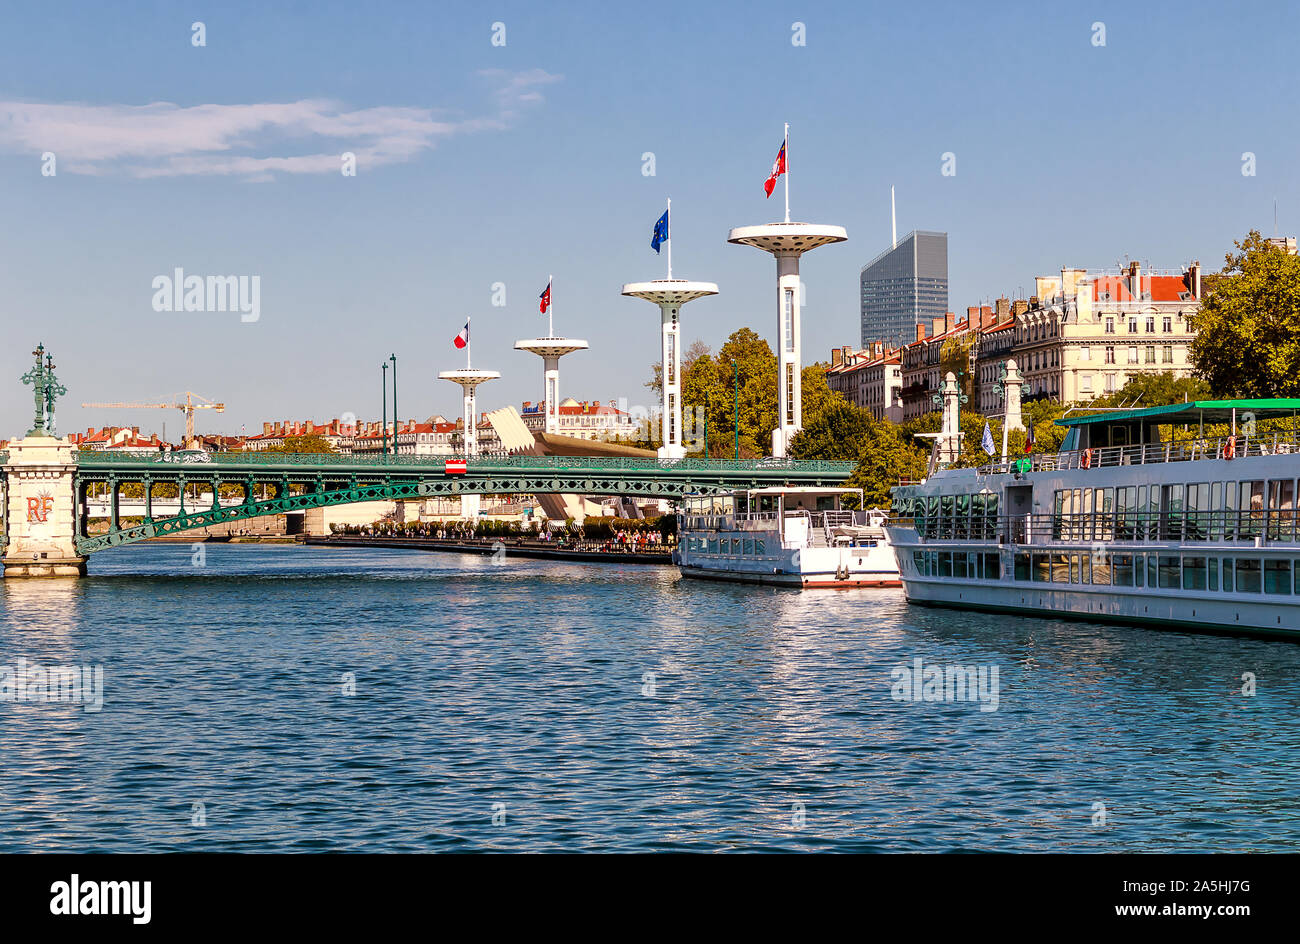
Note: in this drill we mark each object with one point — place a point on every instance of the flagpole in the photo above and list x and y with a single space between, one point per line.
550 309
785 146
469 337
670 239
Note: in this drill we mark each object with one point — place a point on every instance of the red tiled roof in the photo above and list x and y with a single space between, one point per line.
1163 288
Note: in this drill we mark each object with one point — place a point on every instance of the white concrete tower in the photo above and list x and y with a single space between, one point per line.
787 241
670 295
550 350
469 379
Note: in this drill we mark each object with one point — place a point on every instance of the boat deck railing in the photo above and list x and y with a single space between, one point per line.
822 523
1189 450
1254 526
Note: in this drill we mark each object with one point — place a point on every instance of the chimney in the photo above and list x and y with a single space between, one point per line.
1003 307
837 356
1135 279
987 316
1194 278
949 321
920 332
972 313
936 326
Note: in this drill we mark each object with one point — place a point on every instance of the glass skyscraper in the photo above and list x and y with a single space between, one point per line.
904 286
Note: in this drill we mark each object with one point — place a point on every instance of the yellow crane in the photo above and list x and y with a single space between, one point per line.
187 406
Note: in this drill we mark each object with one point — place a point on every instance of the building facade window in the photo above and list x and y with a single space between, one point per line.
1110 354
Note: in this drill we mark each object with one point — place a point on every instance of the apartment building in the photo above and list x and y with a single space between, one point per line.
1086 335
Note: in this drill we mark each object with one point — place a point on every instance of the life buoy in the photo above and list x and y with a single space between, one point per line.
1230 447
1085 461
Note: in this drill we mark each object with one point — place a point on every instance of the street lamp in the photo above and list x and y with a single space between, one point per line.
383 424
397 416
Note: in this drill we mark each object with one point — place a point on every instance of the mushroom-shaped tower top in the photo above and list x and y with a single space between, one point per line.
670 291
551 347
787 237
468 377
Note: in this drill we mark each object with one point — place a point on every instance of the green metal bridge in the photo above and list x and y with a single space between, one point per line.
296 482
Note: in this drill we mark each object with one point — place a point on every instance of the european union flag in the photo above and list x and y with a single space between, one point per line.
660 235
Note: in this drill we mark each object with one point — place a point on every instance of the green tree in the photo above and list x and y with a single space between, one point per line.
310 444
1247 340
837 430
888 455
1144 390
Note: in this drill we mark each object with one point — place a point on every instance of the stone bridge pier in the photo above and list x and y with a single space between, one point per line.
40 510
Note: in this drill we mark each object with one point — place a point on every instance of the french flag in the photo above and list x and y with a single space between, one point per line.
462 340
546 297
778 168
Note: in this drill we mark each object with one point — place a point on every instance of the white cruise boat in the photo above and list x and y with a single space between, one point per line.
1184 532
791 537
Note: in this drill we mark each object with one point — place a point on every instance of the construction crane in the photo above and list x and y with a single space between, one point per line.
187 406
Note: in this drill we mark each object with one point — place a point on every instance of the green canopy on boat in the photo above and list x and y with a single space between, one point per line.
1195 411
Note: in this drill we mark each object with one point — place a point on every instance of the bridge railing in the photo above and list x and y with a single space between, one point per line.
478 463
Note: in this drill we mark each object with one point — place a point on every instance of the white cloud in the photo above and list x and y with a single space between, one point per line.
255 141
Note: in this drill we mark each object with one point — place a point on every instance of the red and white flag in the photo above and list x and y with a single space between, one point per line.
462 340
545 297
778 168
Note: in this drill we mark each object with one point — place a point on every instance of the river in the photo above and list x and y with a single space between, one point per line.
288 698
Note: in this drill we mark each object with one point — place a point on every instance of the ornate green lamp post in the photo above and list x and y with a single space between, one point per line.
45 389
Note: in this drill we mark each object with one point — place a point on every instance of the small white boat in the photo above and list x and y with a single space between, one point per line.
792 537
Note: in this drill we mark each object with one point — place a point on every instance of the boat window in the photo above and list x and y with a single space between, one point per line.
1277 576
1060 568
1121 570
748 546
1227 574
1281 504
1248 575
1212 582
993 567
1022 570
1152 570
760 546
1042 568
1194 577
1167 572
945 563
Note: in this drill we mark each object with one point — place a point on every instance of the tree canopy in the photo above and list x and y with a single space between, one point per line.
309 444
709 388
1247 340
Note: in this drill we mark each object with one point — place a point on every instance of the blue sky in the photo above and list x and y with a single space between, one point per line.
503 164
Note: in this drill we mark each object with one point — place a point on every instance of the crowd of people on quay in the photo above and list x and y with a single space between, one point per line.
609 535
